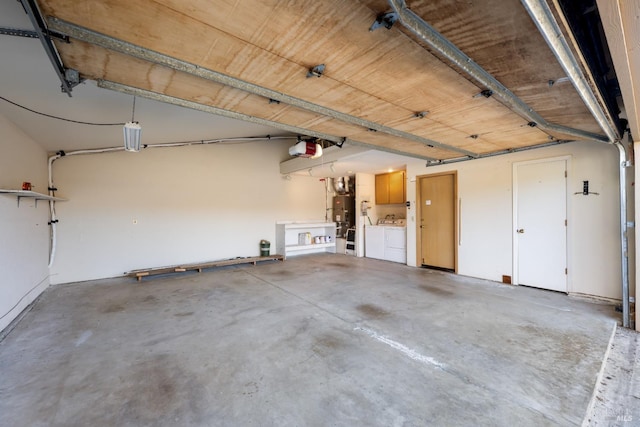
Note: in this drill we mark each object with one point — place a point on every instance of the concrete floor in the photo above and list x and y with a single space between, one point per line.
617 398
321 340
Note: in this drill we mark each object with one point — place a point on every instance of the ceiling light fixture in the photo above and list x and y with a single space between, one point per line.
132 132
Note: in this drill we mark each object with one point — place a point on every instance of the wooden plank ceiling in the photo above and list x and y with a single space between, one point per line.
383 77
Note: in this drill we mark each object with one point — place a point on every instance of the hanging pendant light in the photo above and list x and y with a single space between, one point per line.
132 132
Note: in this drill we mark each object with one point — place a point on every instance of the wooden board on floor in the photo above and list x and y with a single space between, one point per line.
139 274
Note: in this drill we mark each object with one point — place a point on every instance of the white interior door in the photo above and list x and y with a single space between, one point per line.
540 239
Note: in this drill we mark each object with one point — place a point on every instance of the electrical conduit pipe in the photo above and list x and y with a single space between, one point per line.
52 206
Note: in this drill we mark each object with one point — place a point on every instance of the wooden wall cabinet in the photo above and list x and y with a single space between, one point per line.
391 188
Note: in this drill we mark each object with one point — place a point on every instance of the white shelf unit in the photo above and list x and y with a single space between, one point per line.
19 194
287 237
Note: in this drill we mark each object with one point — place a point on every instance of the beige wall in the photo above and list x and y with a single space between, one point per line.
191 204
485 187
212 202
24 232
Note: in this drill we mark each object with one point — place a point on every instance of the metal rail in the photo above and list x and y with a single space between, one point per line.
32 10
442 45
543 18
239 116
624 244
139 52
499 153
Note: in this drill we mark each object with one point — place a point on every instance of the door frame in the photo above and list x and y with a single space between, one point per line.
456 224
515 279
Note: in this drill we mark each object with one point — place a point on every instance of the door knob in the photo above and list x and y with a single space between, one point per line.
520 230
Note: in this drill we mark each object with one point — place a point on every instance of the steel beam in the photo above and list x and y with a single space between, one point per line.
443 46
499 153
139 52
543 18
130 90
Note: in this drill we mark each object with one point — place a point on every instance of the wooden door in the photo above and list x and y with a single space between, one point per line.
540 235
437 221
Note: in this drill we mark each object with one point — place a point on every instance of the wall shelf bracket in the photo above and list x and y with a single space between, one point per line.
19 194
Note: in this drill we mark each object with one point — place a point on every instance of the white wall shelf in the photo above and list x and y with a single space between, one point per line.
291 248
287 237
19 194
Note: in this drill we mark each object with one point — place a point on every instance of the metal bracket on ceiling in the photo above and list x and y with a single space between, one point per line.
487 93
43 33
72 77
384 20
316 71
558 80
